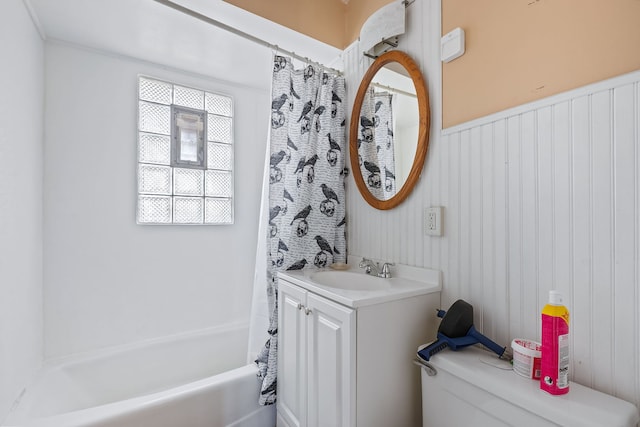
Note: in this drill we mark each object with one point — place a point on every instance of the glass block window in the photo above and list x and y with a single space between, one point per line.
181 195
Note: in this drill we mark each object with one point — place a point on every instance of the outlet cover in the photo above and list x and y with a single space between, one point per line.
433 221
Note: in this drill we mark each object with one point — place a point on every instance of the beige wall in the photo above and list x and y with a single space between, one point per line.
330 21
522 50
323 20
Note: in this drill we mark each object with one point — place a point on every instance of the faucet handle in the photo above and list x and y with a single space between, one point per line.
386 272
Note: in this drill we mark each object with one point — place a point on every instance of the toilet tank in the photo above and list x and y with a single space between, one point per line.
472 387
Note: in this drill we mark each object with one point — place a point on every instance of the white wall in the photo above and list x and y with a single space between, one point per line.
544 196
108 280
21 121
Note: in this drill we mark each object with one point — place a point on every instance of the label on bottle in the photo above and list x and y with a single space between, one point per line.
563 361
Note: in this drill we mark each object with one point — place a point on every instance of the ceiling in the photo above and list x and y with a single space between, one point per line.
150 31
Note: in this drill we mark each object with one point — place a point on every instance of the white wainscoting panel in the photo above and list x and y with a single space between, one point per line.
543 196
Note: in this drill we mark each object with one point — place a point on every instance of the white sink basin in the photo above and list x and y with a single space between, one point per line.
350 280
350 286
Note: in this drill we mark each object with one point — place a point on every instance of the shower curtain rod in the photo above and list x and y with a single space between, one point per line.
247 36
393 89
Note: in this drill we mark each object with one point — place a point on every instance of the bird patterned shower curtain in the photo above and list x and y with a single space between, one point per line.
306 186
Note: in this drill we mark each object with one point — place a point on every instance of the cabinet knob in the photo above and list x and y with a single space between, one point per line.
307 311
300 306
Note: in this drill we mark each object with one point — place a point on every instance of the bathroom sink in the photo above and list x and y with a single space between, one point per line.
350 286
349 280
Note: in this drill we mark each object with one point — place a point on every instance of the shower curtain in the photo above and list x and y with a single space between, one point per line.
306 216
376 144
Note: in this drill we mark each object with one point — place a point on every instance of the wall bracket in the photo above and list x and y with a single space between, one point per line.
380 31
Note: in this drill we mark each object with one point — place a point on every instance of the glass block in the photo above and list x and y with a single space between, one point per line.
154 149
155 118
154 179
218 211
217 104
154 209
219 156
218 184
187 97
188 182
219 129
187 210
155 91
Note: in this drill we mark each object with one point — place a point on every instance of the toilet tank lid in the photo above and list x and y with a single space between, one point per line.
582 406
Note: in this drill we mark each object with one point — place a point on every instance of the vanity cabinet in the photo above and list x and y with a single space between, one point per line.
341 365
316 359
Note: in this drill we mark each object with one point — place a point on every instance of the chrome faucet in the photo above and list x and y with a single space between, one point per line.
370 266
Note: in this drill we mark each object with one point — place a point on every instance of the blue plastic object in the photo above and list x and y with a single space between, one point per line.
456 331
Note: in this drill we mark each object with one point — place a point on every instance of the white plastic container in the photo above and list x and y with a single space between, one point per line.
526 358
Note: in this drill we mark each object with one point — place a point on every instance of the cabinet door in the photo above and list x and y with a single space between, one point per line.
331 363
292 353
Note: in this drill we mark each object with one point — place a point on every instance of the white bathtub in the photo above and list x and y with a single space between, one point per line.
195 380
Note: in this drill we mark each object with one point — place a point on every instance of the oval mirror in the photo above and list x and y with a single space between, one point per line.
389 131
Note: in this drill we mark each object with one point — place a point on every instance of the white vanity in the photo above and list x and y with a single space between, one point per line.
346 345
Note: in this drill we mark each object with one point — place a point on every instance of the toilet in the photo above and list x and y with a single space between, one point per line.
472 387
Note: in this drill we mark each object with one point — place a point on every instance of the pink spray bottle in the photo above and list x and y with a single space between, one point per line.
554 368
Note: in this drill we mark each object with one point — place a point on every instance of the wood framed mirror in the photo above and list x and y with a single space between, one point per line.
389 130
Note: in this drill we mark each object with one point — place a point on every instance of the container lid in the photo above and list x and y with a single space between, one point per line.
581 407
555 298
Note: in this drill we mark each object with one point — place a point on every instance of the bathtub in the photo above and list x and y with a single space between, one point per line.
194 380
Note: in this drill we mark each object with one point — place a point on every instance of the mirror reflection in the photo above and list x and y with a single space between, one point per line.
388 131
